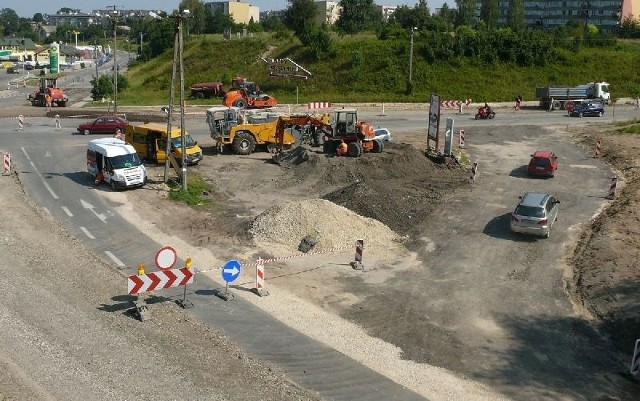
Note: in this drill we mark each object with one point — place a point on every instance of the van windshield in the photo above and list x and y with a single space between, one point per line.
125 161
188 141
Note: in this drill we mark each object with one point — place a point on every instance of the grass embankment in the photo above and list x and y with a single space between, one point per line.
365 69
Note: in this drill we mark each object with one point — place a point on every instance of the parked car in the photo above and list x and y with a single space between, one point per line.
103 125
535 214
543 163
593 109
383 134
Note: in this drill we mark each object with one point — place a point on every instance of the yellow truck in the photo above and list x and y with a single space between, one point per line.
150 141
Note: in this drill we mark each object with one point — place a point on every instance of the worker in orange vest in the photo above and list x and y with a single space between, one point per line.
47 100
342 149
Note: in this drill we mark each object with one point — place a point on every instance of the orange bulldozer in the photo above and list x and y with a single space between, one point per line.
246 94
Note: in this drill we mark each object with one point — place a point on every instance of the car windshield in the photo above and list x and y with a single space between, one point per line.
529 211
539 162
125 161
188 142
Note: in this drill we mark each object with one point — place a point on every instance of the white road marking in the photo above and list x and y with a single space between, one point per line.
115 259
67 211
89 206
87 233
46 185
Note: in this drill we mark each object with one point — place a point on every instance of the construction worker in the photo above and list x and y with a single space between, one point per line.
342 149
47 100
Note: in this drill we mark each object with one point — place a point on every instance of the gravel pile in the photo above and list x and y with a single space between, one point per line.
330 224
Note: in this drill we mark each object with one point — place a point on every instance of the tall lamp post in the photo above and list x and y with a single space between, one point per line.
411 55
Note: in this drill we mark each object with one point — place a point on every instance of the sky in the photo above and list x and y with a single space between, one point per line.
28 8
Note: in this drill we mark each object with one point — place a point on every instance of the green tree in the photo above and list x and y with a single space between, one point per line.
466 13
197 21
317 41
515 15
448 14
358 15
37 17
103 87
299 15
489 13
218 21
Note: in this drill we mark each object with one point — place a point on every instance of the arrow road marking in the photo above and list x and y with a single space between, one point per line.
89 206
233 271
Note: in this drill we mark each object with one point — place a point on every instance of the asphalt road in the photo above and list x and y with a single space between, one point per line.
531 347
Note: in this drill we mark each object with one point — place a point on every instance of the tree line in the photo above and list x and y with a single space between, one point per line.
452 33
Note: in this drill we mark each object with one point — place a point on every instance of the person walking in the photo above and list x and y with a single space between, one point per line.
518 102
47 101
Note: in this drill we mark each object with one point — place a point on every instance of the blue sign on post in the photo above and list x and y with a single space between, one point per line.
231 270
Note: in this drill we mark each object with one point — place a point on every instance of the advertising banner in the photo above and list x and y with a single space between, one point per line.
434 118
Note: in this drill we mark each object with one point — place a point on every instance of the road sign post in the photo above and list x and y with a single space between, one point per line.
230 272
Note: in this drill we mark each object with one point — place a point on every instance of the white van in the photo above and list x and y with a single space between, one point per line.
115 162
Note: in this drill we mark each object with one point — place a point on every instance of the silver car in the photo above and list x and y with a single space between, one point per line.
535 214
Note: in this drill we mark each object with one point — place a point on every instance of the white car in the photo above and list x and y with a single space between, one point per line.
383 134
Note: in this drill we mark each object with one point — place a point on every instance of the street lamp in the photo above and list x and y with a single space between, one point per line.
411 55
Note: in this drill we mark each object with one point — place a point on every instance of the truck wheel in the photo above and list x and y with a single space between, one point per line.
354 149
62 104
199 95
244 143
557 105
378 146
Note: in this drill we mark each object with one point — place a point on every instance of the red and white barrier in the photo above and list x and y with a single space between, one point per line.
7 163
159 280
612 187
260 289
20 122
635 360
598 148
461 142
474 172
359 249
318 105
454 104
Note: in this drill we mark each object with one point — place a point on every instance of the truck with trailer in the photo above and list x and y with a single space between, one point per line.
565 97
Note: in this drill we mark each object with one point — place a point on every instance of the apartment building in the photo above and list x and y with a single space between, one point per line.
242 13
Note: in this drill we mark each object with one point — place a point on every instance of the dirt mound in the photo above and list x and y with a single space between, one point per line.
399 187
331 225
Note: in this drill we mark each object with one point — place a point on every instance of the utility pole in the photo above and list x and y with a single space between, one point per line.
115 60
178 48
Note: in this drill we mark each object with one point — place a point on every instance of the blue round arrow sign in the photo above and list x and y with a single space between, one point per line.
231 270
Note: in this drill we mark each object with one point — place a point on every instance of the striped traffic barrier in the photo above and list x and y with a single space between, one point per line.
474 172
318 105
598 148
20 122
612 187
461 142
260 287
357 263
7 163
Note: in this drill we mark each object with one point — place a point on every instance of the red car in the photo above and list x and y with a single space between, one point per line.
543 163
103 125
